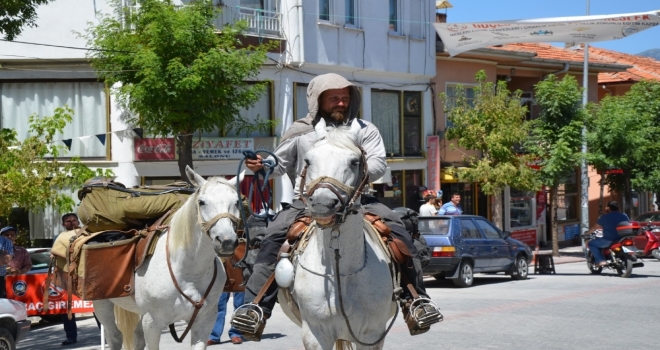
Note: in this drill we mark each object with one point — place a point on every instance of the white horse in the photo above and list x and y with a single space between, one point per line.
358 311
202 229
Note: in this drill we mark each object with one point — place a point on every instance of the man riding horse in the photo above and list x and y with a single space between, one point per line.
335 99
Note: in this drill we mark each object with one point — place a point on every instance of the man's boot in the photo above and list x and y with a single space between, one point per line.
419 311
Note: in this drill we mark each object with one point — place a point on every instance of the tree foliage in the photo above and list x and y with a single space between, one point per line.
30 173
556 136
176 75
623 134
16 14
494 124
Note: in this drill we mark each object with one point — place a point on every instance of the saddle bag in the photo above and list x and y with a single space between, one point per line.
96 266
107 205
234 281
398 250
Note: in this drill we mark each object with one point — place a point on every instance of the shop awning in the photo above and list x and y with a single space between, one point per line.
461 37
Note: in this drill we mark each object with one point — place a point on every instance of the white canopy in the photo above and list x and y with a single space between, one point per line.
461 37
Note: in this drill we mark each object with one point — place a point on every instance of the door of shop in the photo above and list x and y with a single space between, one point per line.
465 189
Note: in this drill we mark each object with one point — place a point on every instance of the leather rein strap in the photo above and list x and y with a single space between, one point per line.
197 304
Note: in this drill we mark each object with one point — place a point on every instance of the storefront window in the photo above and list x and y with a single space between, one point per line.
521 208
413 183
567 199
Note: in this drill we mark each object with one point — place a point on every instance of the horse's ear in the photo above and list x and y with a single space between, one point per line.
321 132
355 128
194 178
241 176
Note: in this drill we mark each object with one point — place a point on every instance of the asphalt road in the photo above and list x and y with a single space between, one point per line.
569 310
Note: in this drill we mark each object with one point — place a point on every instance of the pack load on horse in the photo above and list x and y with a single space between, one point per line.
342 281
141 273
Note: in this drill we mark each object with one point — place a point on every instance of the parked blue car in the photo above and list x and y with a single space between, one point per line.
462 245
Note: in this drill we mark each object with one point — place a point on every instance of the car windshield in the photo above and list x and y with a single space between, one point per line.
648 217
40 260
438 226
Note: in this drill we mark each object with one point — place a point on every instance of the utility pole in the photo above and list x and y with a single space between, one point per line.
584 171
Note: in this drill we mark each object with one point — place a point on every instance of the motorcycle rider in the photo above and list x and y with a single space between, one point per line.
335 99
608 223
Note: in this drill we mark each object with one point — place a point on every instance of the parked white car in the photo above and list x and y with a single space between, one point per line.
14 324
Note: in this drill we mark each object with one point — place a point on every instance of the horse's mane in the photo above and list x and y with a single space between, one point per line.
341 137
186 217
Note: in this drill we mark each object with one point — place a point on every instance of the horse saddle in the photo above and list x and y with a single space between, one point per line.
397 249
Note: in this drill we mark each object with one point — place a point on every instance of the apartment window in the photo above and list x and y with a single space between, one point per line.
300 103
87 99
567 198
351 11
324 10
454 92
394 16
417 20
398 116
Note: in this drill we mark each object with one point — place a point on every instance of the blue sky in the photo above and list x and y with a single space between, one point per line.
496 10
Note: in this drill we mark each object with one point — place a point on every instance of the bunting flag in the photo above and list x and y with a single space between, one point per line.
101 138
67 142
121 134
138 132
85 140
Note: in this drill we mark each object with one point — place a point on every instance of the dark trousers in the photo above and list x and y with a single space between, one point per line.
3 287
277 229
70 327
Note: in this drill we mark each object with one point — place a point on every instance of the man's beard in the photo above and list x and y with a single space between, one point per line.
338 116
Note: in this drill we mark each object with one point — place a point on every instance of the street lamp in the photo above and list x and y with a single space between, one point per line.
584 175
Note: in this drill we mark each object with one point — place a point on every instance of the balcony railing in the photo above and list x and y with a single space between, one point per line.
259 22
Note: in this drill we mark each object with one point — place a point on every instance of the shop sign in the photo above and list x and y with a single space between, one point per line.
570 231
433 163
221 148
526 236
154 149
29 289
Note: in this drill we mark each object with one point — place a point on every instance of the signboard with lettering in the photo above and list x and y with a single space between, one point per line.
221 148
526 236
433 162
29 289
154 149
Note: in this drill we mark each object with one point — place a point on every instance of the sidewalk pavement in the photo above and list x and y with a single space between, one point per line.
566 255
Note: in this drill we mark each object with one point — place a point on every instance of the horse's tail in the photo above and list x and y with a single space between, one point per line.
126 322
342 344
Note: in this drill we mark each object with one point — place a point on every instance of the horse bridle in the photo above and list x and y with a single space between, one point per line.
336 186
207 225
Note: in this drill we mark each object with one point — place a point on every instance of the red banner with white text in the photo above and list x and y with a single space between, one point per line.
29 289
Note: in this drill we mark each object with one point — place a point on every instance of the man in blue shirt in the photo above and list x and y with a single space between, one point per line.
452 207
6 255
608 223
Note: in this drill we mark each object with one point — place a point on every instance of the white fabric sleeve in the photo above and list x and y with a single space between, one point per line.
373 145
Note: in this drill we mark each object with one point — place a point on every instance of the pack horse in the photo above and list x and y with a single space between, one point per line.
184 278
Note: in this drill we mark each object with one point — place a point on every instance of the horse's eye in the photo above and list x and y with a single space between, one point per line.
354 162
200 202
306 162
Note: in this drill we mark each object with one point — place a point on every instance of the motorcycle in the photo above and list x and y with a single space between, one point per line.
652 247
621 255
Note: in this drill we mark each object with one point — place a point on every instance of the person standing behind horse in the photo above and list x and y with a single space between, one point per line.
452 207
337 101
428 208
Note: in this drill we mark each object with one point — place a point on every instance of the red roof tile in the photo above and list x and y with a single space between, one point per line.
642 67
551 52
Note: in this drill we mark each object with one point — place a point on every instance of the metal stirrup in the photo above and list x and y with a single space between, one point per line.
249 319
425 312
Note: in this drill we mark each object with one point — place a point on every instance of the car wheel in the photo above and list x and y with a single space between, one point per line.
521 268
465 275
6 340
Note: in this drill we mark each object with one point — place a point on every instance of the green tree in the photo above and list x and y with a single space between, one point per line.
623 134
30 173
494 124
176 75
556 137
16 14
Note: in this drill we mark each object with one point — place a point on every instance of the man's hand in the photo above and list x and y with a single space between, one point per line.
5 259
254 164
